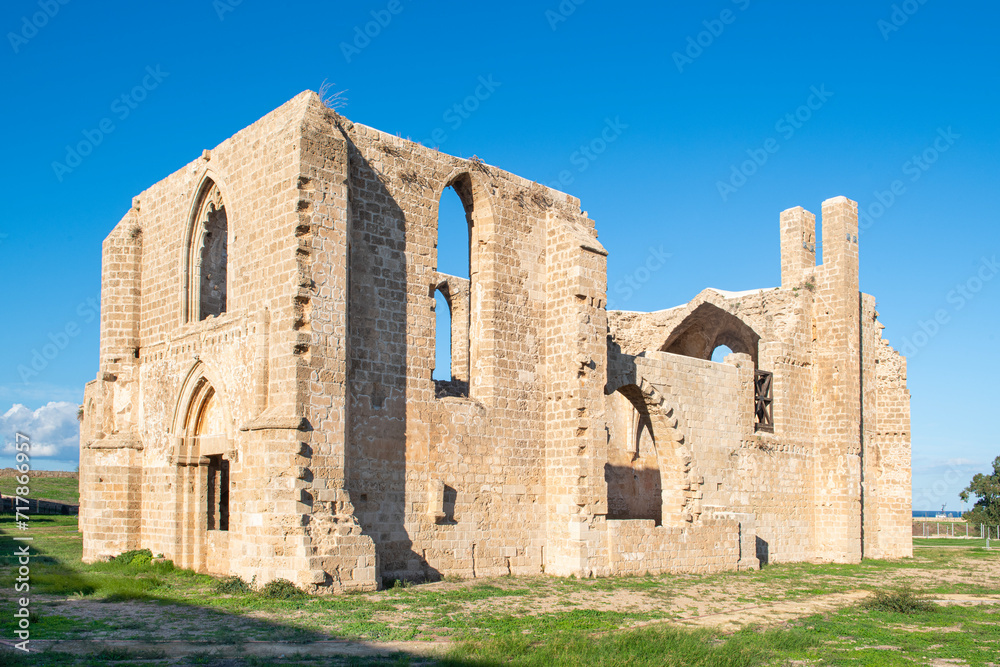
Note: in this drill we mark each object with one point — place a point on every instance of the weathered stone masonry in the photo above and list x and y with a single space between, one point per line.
265 403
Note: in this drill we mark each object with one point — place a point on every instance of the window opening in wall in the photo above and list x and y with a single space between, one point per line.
214 263
452 293
764 401
453 235
632 472
720 353
442 338
708 328
207 260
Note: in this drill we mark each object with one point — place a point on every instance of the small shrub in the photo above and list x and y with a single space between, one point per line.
114 655
136 557
899 601
233 586
330 99
280 589
389 583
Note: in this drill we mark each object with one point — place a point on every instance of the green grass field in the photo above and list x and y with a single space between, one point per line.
118 614
61 489
952 542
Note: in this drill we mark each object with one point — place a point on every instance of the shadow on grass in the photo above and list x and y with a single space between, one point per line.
122 613
111 605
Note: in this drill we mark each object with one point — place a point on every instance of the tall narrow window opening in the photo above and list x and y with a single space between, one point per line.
764 402
442 338
453 291
453 235
207 268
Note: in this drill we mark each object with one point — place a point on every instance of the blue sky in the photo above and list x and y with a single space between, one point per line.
551 78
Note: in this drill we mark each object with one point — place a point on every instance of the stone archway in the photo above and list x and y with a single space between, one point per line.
707 327
656 427
203 484
632 471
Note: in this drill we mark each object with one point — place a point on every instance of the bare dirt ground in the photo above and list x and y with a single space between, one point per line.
429 612
183 618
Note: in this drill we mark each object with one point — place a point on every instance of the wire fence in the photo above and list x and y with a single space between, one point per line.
9 505
954 529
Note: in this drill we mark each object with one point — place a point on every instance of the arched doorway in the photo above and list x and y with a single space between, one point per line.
204 481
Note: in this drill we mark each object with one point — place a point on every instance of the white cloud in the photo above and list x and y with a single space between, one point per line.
927 465
963 462
53 430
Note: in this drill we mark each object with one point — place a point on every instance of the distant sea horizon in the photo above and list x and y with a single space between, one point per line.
951 514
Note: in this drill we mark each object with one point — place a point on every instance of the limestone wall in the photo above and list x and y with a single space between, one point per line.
303 375
251 354
889 465
765 475
639 547
831 481
452 484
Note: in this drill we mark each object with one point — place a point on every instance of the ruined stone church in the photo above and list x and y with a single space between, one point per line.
265 403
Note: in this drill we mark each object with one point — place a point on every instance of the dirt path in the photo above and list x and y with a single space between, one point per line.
774 613
769 614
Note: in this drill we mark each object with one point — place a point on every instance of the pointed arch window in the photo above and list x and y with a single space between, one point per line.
455 275
206 267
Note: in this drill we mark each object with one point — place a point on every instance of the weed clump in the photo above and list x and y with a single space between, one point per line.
233 586
899 601
135 557
393 583
280 589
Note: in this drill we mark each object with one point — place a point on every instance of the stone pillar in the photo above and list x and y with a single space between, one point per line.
745 373
837 377
576 375
110 497
798 245
320 534
458 301
110 456
871 510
